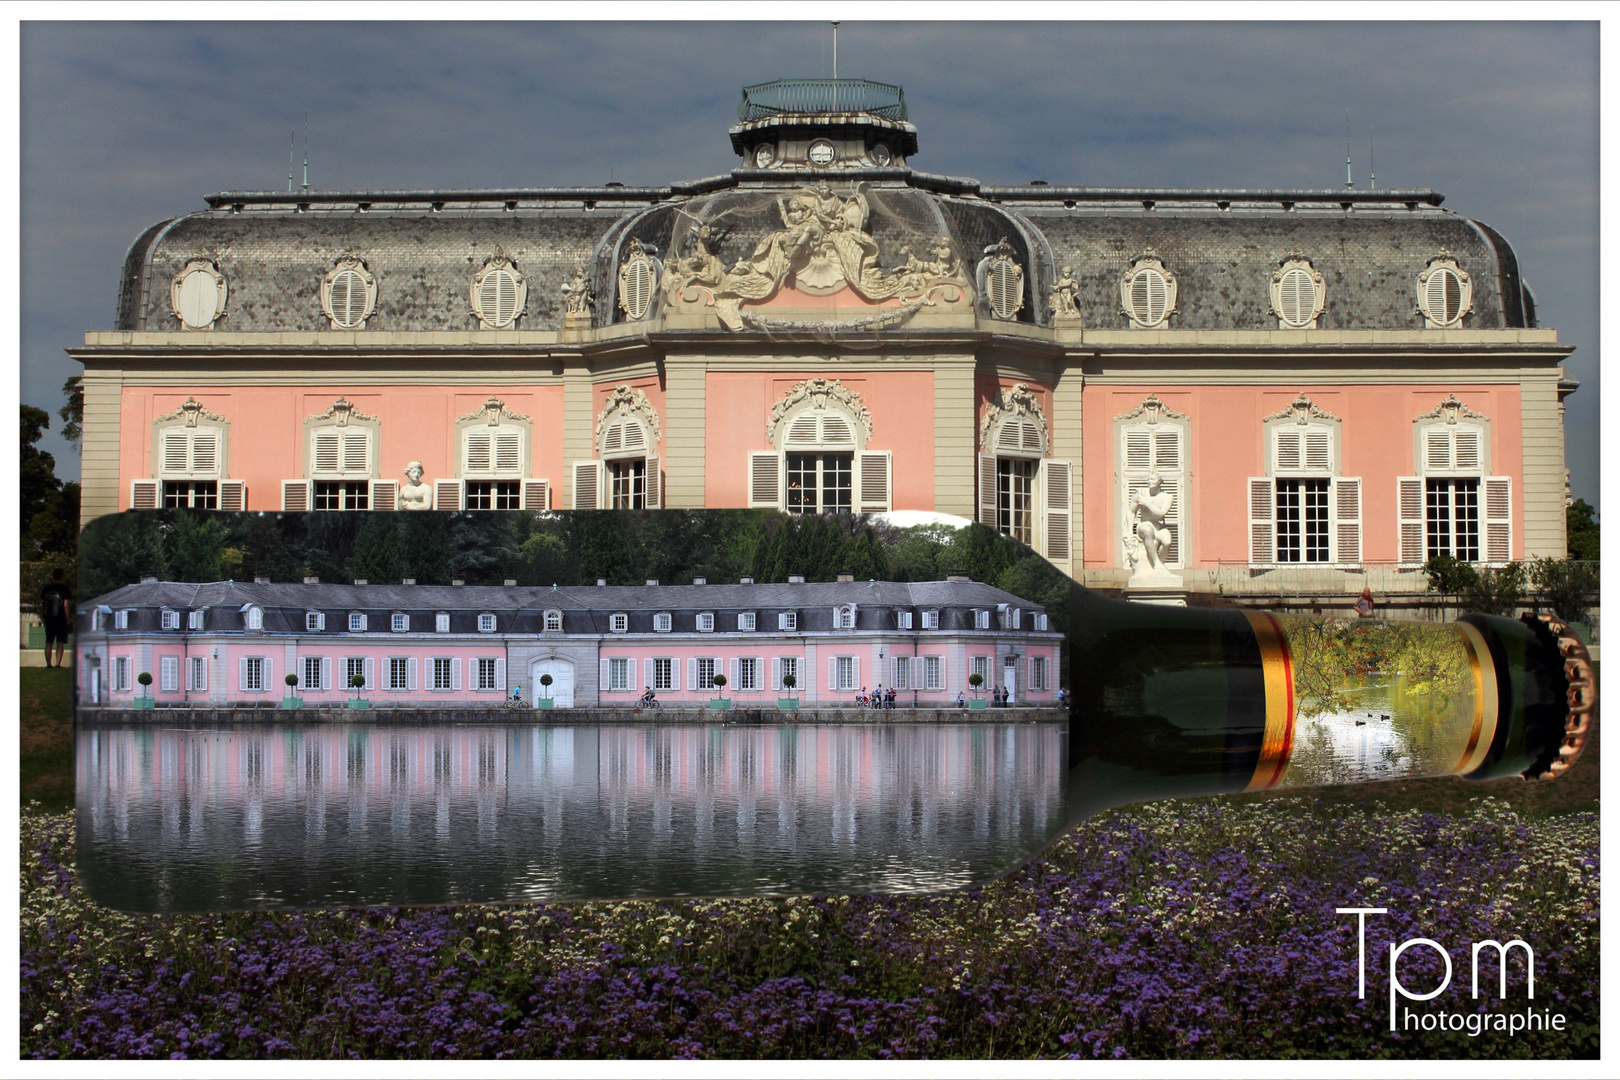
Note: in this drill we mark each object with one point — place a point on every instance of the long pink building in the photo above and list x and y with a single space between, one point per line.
233 644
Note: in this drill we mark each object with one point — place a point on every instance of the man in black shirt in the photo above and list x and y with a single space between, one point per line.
56 606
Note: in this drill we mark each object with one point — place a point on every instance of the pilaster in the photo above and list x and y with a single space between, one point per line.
956 426
1067 402
579 420
98 450
685 422
1541 494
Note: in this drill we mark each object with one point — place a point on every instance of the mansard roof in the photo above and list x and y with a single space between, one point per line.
423 247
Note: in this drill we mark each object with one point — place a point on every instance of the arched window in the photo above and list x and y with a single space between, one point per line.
1453 508
1022 493
626 473
1304 511
819 462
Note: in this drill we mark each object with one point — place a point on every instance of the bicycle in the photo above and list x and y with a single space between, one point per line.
649 700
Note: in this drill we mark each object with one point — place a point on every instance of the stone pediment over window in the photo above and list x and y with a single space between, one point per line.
341 414
1450 411
1014 422
1302 410
1151 411
819 395
190 414
627 403
494 413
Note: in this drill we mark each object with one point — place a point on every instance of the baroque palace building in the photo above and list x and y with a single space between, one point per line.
1261 391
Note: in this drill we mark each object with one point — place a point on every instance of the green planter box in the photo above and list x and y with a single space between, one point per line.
356 703
143 703
545 703
978 703
787 703
292 703
720 703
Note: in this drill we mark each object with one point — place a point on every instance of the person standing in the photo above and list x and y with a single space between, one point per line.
56 607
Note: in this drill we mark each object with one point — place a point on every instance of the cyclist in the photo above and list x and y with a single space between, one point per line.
649 700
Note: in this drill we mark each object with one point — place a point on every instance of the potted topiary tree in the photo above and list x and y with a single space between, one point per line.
976 680
545 701
720 685
789 702
357 682
145 700
290 700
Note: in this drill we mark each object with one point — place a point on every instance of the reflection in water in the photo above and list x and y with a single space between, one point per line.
1388 729
285 815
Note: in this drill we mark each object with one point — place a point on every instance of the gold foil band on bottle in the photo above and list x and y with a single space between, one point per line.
1277 671
1486 710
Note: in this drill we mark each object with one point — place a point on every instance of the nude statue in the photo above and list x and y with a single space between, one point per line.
1150 507
1066 294
415 495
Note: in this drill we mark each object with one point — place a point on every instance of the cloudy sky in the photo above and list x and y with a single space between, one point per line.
125 124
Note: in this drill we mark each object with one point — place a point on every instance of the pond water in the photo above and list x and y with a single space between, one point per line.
1391 728
273 816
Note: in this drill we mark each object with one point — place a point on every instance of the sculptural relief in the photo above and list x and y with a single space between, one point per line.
1066 296
1150 537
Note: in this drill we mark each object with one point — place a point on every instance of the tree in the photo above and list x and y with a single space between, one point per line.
54 532
1581 519
1496 591
196 543
37 474
1449 575
1568 586
117 549
72 412
259 547
546 559
379 553
482 545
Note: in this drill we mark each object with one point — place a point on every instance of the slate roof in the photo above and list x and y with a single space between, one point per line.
275 248
586 609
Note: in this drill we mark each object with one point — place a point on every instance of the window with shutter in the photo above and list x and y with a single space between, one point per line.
198 295
349 300
587 485
1409 508
765 479
1297 294
1147 450
1444 293
1347 520
498 295
873 471
1262 523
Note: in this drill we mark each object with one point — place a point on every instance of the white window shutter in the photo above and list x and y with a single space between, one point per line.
410 674
371 674
1318 449
326 673
873 474
1056 501
204 452
295 496
356 453
385 494
736 669
1262 523
447 494
604 676
1290 451
1167 447
536 494
987 490
509 452
1467 444
175 459
1498 519
326 452
241 673
143 494
691 673
233 495
832 673
455 673
476 457
857 672
655 483
765 479
1409 507
500 674
630 674
1347 519
269 674
1437 450
776 673
1138 448
587 485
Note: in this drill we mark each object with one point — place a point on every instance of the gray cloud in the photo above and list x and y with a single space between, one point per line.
123 124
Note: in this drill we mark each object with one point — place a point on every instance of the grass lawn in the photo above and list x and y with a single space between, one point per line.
47 737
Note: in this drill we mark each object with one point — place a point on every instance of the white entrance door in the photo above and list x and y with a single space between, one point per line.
1009 679
561 690
95 681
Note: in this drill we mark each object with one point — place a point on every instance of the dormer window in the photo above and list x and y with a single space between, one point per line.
255 618
120 620
486 623
705 622
400 623
662 622
1039 621
194 620
930 620
981 619
357 622
745 620
619 622
844 617
554 621
441 622
314 620
902 619
787 620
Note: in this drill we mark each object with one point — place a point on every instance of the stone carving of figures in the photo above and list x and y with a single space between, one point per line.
415 495
702 267
1066 294
577 292
1149 508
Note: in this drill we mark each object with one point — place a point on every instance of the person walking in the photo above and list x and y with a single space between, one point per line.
56 608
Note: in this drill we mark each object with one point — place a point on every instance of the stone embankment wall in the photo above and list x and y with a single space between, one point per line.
209 717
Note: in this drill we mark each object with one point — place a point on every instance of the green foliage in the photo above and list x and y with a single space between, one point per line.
484 546
54 531
379 553
1334 657
72 411
357 681
720 681
1449 575
790 680
290 679
427 547
1566 586
1584 533
116 550
1497 591
196 545
545 558
259 547
144 678
37 480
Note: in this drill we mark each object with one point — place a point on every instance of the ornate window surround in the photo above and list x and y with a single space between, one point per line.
1015 405
1345 496
1443 263
626 402
495 265
824 399
640 279
1286 267
821 396
191 416
1302 414
1157 420
493 418
207 267
1452 417
356 265
1000 280
342 417
1144 265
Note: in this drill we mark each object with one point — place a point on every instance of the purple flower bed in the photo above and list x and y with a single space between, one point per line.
1200 929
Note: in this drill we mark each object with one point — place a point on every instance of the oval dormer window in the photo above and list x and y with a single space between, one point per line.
1445 293
498 293
198 294
1149 293
350 294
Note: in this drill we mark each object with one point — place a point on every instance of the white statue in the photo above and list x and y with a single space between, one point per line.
1149 508
415 495
1066 295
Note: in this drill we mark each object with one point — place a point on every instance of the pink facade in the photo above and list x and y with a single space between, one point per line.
1227 445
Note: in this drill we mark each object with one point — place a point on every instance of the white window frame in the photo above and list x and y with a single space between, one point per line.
486 622
352 666
1304 443
441 622
314 620
1039 668
846 672
785 666
981 664
399 672
663 622
749 676
705 622
746 620
1040 621
441 668
255 670
170 619
902 620
662 673
618 674
121 678
845 617
318 683
357 622
1160 446
399 623
194 619
981 618
487 673
120 620
787 620
933 672
196 673
553 622
930 620
255 618
619 623
705 681
169 674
